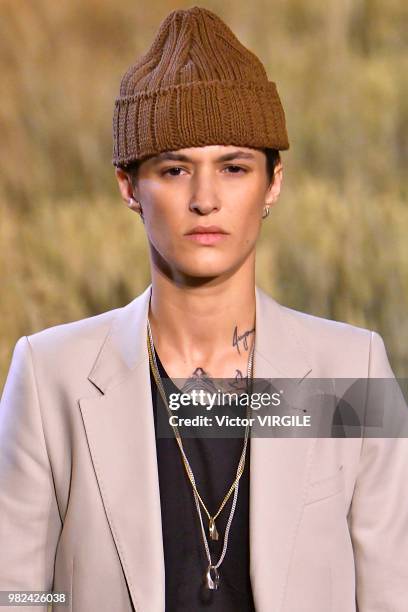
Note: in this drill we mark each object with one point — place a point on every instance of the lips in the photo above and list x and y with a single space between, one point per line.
202 229
206 235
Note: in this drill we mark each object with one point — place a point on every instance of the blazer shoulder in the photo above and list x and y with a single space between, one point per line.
63 355
335 329
318 326
70 349
337 345
333 348
88 329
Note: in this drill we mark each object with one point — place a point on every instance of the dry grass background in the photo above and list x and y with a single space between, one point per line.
336 245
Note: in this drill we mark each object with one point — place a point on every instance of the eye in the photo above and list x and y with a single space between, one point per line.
237 169
170 171
175 170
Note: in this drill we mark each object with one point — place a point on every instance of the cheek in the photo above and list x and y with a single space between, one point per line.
163 225
248 223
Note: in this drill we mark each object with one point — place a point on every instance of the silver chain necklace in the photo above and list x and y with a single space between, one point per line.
212 577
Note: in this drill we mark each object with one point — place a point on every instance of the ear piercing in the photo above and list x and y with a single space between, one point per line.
266 212
132 202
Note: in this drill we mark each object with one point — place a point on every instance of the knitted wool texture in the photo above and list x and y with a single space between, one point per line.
197 85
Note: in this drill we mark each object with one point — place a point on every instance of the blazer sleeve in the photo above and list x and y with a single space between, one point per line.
29 519
379 510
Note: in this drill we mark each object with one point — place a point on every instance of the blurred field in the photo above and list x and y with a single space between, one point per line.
336 245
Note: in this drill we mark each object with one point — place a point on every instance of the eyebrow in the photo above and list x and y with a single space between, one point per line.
169 155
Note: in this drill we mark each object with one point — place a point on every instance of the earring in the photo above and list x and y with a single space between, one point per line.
266 212
132 201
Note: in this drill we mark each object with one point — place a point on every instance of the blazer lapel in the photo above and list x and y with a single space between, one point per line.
279 466
120 431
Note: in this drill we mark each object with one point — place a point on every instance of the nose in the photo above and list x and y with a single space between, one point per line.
204 198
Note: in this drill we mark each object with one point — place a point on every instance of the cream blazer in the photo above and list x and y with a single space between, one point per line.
79 489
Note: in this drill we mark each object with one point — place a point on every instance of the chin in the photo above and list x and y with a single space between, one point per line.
203 269
208 261
203 272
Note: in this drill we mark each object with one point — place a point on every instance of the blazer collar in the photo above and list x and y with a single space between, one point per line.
279 351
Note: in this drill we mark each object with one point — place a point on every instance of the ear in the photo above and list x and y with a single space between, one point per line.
127 190
274 189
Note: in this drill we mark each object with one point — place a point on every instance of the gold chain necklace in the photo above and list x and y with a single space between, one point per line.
212 575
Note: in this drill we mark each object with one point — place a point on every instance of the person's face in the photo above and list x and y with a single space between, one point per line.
217 185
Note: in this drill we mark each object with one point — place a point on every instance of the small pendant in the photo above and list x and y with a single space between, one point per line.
212 580
213 530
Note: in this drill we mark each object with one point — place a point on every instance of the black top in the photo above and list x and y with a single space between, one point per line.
214 462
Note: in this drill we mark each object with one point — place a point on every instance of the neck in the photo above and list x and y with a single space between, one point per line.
205 326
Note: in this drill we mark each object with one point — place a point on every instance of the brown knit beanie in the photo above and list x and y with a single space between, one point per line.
197 85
